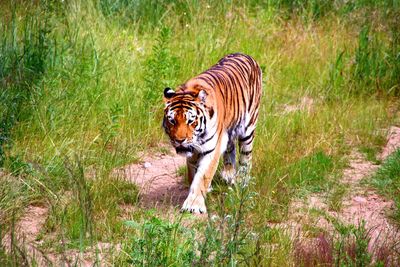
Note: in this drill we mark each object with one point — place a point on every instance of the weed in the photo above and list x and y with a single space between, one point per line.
181 171
227 241
161 243
161 68
84 210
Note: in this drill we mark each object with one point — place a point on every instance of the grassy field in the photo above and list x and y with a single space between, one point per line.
81 94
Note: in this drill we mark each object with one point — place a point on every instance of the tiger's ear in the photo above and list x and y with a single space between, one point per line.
202 96
168 93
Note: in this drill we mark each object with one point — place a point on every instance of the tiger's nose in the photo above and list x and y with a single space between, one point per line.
180 141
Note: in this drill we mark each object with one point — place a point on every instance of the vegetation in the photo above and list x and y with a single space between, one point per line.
387 181
81 85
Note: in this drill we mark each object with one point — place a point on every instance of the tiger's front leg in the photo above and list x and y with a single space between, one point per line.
206 168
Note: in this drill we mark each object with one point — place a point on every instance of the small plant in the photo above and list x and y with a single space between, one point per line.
161 243
160 69
83 207
351 245
228 240
335 197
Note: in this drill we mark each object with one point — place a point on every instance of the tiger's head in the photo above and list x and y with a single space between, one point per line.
185 118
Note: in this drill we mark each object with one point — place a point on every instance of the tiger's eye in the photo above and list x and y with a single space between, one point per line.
171 120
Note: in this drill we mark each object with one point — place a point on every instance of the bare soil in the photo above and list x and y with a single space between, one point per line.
158 179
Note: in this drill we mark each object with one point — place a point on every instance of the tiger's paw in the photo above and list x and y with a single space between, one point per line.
229 174
194 204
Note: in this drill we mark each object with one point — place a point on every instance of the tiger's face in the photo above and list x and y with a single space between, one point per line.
184 120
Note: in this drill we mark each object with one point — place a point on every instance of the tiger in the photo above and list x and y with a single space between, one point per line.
206 115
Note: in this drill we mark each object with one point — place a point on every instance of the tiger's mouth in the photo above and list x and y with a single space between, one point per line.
184 149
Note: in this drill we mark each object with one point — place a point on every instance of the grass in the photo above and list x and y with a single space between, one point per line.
81 85
387 181
336 195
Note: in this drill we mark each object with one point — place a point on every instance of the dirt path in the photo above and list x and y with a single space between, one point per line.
364 203
158 179
361 204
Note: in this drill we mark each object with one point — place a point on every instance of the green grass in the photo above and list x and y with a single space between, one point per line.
81 85
387 181
335 197
370 154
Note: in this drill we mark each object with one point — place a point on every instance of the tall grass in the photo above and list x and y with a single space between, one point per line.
82 83
23 60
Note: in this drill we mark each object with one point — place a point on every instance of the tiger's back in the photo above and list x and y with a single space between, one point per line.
206 115
236 79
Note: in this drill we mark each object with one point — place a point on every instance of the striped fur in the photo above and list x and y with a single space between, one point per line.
205 116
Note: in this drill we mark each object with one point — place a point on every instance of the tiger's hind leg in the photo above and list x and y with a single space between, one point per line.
245 149
228 173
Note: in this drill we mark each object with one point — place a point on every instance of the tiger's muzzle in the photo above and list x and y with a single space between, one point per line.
184 149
